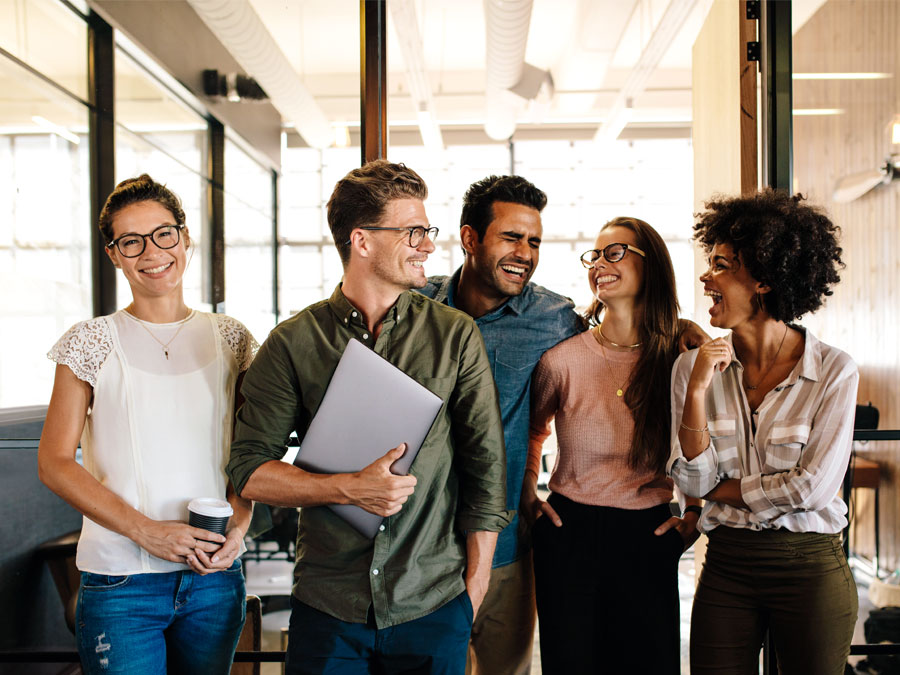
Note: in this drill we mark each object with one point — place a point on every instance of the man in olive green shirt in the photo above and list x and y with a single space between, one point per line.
403 602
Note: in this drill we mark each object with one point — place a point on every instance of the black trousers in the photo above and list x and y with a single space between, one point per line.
607 590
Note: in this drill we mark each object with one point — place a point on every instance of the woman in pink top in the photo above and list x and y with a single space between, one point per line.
606 547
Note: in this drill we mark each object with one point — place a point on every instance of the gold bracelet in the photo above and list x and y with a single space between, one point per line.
696 431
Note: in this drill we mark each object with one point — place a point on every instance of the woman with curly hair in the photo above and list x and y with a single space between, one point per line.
762 422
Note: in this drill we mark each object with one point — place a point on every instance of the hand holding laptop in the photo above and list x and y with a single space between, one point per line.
380 491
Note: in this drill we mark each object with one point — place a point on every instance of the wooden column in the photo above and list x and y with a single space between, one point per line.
373 79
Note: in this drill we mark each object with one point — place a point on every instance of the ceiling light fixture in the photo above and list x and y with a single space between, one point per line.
341 136
813 112
62 132
406 27
841 76
669 25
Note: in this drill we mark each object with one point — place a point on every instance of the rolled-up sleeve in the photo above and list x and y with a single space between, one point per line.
267 416
477 430
698 476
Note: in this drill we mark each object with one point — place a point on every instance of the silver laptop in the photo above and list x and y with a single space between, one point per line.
370 407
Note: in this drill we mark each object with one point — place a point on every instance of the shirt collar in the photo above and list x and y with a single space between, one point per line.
810 365
346 312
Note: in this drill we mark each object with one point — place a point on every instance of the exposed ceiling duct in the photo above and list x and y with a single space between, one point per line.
406 27
621 111
506 35
240 30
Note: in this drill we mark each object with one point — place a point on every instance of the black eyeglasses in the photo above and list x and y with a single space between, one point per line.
613 253
131 244
416 234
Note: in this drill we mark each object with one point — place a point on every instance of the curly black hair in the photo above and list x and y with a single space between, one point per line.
789 246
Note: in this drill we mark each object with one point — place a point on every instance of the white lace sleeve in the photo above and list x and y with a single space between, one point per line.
84 348
239 339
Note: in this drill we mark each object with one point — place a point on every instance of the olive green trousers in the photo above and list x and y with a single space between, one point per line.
797 586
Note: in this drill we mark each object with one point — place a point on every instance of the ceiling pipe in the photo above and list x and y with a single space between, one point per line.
506 36
406 28
243 34
621 111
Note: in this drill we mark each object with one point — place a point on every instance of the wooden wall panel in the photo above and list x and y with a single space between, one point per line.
724 115
863 315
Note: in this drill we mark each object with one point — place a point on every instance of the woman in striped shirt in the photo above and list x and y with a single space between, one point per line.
762 428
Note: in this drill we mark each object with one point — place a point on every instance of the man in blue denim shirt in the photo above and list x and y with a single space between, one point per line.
500 231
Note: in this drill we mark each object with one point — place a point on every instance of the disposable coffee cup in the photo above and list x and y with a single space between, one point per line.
210 514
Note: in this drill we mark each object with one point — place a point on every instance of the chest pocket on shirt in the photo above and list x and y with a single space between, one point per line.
512 368
722 427
786 442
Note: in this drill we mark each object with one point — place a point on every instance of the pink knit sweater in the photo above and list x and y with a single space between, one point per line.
594 427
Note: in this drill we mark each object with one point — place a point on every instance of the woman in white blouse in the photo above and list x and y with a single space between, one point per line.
150 393
762 427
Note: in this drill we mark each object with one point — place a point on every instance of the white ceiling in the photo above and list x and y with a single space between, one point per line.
589 47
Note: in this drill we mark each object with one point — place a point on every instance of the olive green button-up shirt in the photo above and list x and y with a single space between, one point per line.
417 562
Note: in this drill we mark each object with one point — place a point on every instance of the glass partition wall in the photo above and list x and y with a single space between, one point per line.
45 201
45 260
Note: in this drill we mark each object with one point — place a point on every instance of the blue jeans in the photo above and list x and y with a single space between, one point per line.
435 644
149 624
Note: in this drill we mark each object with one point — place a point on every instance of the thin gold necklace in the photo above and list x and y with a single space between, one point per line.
164 345
634 346
753 387
620 389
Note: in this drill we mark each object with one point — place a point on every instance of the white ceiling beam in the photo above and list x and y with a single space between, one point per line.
664 33
238 27
406 28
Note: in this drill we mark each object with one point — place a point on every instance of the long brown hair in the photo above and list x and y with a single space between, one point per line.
647 395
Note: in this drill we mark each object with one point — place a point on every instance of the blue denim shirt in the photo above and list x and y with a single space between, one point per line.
516 335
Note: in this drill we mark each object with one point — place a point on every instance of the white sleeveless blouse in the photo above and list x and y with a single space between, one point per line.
158 431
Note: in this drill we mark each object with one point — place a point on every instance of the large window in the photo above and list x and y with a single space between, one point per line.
249 241
45 263
159 134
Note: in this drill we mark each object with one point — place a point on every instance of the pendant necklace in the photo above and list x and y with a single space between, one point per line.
620 389
754 387
165 345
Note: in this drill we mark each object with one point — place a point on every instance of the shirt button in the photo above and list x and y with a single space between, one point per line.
375 572
353 314
346 319
365 336
381 528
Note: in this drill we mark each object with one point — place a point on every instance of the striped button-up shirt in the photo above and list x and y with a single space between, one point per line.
790 454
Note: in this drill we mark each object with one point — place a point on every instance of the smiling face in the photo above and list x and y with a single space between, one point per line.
394 261
619 280
508 254
156 272
731 287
